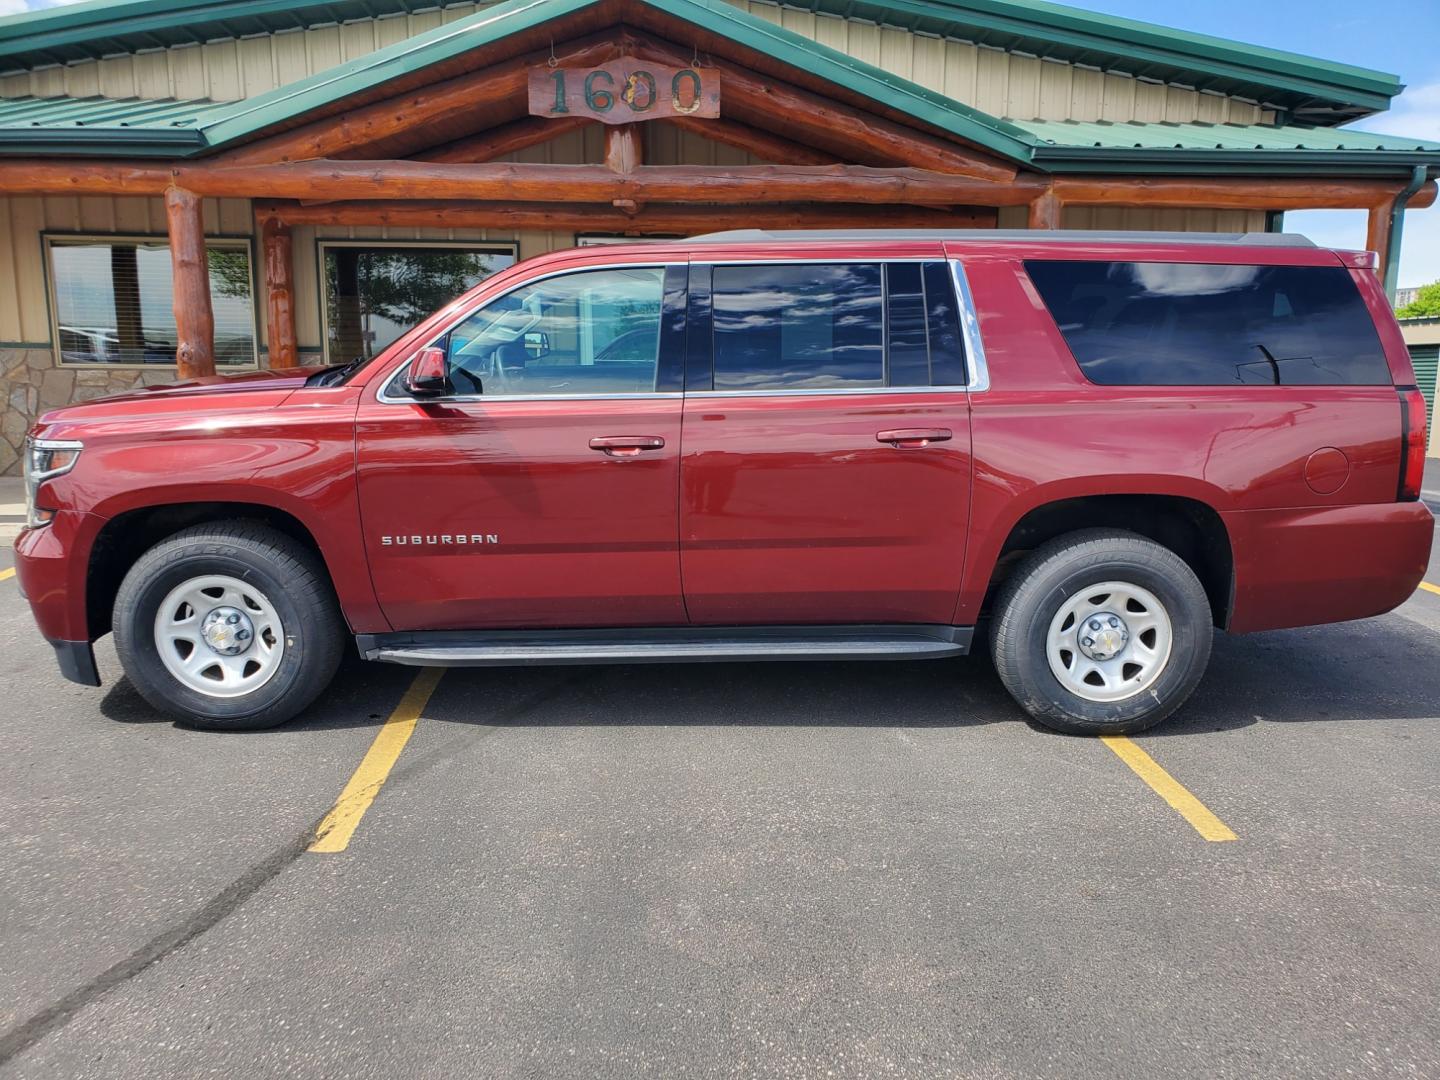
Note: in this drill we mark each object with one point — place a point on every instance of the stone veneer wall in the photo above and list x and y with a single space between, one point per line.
31 383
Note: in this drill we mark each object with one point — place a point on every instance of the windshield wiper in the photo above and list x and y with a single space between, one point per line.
335 375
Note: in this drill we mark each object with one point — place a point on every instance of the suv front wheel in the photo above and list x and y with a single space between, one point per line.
229 627
1101 633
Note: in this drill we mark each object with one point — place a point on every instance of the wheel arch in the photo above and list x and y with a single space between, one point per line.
1189 526
127 535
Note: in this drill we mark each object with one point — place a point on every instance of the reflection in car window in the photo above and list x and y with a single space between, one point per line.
1194 324
798 326
591 332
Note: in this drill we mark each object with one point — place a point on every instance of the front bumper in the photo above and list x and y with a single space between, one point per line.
51 568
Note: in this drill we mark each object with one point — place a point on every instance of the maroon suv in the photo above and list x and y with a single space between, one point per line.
759 446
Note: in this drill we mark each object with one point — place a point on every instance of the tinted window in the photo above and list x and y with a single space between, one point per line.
947 349
592 332
907 349
798 326
1192 324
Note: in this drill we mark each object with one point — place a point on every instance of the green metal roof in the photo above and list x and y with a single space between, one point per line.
97 125
1071 145
131 127
1320 91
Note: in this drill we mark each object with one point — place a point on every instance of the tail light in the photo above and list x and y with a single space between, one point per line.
1412 443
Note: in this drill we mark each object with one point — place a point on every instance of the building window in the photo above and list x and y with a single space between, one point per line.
375 292
112 300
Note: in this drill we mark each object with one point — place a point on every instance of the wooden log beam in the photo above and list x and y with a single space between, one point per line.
412 120
1045 211
279 267
666 219
190 269
505 139
523 182
850 134
1234 192
764 145
624 148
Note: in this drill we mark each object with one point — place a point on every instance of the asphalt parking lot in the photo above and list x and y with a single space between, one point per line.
731 870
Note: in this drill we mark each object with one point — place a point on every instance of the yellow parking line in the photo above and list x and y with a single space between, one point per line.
1430 588
1168 788
334 832
8 572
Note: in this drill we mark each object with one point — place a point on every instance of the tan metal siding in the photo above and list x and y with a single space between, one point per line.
1000 83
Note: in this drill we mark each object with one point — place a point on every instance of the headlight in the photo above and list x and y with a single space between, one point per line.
45 459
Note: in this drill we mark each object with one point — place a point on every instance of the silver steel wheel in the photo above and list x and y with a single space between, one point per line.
1109 642
219 636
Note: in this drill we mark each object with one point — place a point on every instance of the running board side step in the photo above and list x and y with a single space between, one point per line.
664 645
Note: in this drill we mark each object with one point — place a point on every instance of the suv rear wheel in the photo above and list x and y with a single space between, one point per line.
228 627
1101 633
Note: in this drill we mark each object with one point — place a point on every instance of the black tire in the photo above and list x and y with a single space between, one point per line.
291 577
1063 568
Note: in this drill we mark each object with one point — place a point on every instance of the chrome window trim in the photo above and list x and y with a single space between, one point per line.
878 260
827 392
486 399
384 395
970 331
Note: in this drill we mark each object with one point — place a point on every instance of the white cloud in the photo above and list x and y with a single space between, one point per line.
1415 114
13 7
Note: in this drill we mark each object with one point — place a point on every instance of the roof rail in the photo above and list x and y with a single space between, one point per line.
1069 236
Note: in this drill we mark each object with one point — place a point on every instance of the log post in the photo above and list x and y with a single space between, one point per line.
624 148
1377 234
279 263
190 267
1045 210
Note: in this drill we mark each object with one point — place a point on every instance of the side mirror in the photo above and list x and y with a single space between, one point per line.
537 344
429 375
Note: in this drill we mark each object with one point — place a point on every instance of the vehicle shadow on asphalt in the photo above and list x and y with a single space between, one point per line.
1373 670
361 695
1387 668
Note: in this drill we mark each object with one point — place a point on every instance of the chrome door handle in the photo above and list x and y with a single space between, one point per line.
626 445
913 438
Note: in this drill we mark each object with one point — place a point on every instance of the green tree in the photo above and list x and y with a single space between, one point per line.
1426 304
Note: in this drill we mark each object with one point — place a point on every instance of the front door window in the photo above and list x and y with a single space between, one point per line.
587 333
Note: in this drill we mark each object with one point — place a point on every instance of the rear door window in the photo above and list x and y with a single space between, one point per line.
792 326
1195 324
835 326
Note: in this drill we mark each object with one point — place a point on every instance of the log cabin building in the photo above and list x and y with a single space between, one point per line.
212 185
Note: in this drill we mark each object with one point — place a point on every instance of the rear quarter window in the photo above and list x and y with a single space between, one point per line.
1198 324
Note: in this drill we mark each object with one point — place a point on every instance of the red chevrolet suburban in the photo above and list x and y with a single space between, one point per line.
764 446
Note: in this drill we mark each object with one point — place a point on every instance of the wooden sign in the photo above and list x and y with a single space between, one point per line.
624 91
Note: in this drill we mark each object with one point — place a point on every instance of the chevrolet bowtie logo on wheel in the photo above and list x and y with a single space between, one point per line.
441 540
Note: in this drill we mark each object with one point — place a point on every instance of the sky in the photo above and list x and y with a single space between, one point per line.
1398 36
